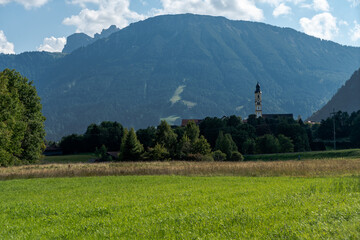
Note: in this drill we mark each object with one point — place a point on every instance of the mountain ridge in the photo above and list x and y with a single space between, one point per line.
346 99
78 40
191 66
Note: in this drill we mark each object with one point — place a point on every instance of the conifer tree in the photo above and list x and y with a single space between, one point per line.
184 147
166 137
131 148
225 144
192 131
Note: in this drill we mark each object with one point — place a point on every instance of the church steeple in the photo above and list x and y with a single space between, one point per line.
257 88
258 107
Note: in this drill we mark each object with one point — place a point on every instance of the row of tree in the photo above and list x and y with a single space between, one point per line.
224 138
214 138
347 129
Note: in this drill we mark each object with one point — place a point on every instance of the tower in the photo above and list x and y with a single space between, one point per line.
258 107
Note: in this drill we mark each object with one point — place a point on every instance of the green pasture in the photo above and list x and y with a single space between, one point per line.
175 207
75 158
347 153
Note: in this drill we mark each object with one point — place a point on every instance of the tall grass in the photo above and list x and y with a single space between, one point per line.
308 168
347 153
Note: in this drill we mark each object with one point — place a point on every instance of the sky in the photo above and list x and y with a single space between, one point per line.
43 25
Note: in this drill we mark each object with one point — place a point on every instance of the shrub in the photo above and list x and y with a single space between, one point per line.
101 153
236 157
219 155
158 153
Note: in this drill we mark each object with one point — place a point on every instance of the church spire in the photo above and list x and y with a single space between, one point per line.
258 106
257 88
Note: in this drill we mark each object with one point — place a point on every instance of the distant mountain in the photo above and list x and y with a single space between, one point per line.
347 99
78 40
190 66
30 64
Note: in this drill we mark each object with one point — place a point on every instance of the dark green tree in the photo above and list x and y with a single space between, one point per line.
21 121
225 144
201 146
165 136
73 143
355 133
158 153
184 147
92 137
131 148
147 137
249 146
192 131
236 157
101 153
210 128
111 134
286 144
219 155
267 144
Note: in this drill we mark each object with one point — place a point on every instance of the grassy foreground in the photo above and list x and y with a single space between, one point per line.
179 207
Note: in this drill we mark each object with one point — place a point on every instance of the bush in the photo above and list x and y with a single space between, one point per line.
219 155
101 154
158 153
236 157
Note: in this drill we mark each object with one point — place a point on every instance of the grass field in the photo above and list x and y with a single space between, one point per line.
78 158
347 153
180 207
315 198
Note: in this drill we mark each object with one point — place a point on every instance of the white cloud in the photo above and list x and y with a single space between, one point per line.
276 3
52 44
5 46
109 12
343 23
232 9
321 5
317 5
28 4
354 3
282 9
322 26
355 32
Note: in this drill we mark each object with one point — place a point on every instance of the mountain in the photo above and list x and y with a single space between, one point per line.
78 40
347 99
190 66
30 64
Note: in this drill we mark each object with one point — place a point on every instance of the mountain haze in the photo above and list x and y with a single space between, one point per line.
190 66
347 99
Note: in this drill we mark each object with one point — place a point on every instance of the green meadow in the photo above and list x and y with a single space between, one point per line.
180 207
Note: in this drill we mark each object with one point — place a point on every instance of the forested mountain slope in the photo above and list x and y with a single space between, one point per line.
191 66
347 99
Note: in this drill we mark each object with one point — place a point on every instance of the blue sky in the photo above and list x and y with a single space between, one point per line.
31 25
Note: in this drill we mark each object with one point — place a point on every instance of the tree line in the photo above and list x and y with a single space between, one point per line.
227 138
346 126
